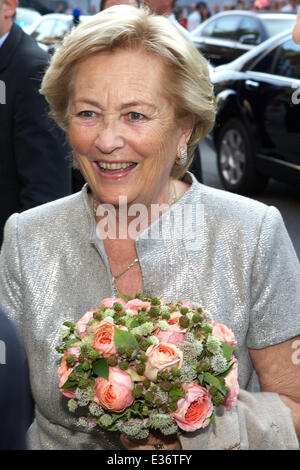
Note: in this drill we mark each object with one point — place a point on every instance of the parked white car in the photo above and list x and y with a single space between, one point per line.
49 30
25 18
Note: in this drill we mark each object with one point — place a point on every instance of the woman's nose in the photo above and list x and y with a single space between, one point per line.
109 136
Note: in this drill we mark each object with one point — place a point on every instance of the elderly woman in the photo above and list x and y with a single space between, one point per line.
134 98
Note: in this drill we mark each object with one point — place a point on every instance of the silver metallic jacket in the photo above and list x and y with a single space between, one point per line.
231 254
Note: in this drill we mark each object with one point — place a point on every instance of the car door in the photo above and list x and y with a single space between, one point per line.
273 90
218 39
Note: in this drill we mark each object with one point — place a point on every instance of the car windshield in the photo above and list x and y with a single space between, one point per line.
277 25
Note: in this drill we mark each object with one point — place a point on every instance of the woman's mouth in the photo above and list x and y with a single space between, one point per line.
116 170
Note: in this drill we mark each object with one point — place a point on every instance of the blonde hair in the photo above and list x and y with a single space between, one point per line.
188 85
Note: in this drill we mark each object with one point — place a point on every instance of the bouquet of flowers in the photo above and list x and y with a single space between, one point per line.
136 364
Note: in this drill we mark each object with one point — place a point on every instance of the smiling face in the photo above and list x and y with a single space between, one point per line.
122 128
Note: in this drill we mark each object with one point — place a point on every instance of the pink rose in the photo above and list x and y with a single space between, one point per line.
81 325
114 394
174 334
171 337
231 381
194 410
110 301
135 304
64 370
224 333
162 356
104 338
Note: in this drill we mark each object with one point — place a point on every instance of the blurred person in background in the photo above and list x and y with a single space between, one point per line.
240 5
34 167
110 3
181 18
291 7
16 404
261 5
216 8
60 8
204 11
194 18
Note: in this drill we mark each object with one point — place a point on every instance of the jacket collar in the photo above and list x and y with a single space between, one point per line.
10 45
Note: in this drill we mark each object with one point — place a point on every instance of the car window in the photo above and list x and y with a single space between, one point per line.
209 29
227 27
275 25
249 26
61 28
288 60
43 32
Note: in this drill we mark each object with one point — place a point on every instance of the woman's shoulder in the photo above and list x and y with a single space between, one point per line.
59 216
223 205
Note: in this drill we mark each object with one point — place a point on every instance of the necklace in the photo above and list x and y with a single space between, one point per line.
136 260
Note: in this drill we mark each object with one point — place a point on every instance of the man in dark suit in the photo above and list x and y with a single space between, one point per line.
16 403
34 167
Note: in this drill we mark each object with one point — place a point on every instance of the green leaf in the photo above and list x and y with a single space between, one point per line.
175 392
100 368
226 372
212 380
200 379
134 323
124 339
125 297
227 350
213 419
70 385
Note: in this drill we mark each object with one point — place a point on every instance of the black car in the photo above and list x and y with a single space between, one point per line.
227 35
257 130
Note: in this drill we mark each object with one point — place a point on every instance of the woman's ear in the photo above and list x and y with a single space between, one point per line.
187 130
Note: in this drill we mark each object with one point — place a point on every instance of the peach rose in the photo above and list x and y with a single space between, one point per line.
224 333
114 394
231 381
110 301
135 304
104 338
160 357
64 370
81 325
194 410
171 337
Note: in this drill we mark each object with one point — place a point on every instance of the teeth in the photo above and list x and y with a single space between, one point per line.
113 166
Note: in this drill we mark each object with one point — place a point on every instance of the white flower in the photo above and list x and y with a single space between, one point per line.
164 309
163 325
64 331
108 313
153 340
109 319
129 313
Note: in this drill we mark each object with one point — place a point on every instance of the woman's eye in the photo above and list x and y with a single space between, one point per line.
136 116
86 114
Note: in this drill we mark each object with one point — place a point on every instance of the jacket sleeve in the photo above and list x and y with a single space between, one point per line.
42 161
